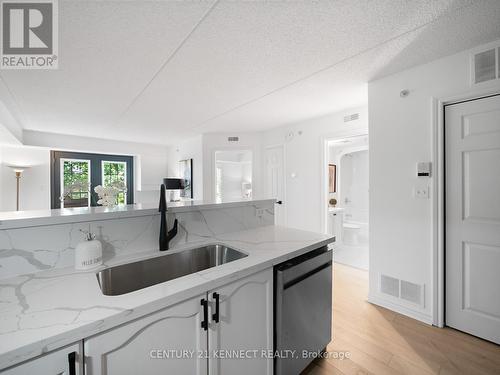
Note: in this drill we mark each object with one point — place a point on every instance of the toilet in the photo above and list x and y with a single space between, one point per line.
351 233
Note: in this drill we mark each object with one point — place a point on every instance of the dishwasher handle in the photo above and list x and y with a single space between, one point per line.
307 275
303 267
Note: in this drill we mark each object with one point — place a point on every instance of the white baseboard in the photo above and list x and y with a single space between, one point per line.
414 314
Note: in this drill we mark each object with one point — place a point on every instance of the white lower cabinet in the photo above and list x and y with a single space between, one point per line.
191 338
245 327
65 361
166 342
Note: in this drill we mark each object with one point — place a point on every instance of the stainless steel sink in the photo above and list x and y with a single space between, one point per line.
133 276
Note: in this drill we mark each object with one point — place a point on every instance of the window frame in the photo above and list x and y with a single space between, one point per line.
95 173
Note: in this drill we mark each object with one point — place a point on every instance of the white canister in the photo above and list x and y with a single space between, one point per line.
88 253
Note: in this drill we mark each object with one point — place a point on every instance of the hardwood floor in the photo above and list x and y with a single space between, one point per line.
380 341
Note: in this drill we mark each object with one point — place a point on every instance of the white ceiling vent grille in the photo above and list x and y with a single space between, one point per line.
354 116
486 66
402 289
233 139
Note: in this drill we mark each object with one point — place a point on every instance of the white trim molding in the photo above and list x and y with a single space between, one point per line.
400 309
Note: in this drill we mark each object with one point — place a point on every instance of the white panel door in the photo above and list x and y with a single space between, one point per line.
166 342
245 324
275 181
472 133
66 361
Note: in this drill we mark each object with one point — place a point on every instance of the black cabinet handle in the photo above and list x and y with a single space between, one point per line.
215 317
204 323
72 363
279 202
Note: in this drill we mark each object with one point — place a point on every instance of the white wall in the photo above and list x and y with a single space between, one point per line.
353 180
304 145
401 134
189 149
218 142
336 150
35 182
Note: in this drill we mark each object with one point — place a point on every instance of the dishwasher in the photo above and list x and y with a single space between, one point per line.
302 310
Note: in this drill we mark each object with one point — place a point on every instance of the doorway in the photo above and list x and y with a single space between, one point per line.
275 181
472 209
347 203
233 175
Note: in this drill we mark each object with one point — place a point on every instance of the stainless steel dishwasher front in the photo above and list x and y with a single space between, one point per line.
303 310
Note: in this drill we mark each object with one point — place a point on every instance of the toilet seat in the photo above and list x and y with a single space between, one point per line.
350 235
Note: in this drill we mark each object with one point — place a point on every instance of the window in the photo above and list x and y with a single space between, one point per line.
114 173
74 175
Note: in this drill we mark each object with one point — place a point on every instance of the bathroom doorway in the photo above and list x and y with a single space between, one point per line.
347 203
233 175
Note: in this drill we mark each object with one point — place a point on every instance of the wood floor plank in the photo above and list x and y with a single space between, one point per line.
381 341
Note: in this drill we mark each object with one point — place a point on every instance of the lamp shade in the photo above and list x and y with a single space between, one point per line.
173 183
18 168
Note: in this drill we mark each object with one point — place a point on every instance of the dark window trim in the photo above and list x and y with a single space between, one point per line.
95 173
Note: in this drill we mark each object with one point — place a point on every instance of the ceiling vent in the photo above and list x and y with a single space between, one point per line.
233 139
402 289
486 66
354 116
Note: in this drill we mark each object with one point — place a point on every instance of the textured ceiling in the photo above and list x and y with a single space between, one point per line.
159 71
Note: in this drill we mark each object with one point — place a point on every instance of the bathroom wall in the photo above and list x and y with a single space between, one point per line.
34 249
354 186
339 147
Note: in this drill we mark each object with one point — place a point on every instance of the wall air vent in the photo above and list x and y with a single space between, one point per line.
389 285
402 289
233 139
485 66
354 116
411 292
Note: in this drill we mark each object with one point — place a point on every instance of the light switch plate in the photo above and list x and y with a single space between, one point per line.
421 192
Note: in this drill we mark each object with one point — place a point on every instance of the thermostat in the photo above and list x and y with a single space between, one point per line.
424 169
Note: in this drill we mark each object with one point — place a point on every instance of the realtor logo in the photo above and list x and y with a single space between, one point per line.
29 34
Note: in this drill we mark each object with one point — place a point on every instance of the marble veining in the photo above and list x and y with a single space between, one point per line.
34 249
55 305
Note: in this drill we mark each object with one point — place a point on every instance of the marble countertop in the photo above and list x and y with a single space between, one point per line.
50 309
24 219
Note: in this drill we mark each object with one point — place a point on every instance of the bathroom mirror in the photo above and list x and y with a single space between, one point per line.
332 178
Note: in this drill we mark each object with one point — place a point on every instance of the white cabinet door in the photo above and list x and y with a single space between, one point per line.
245 324
66 361
166 342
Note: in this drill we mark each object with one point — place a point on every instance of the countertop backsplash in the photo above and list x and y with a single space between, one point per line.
33 249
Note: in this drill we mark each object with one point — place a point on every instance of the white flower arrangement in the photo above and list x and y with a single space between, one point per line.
107 195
